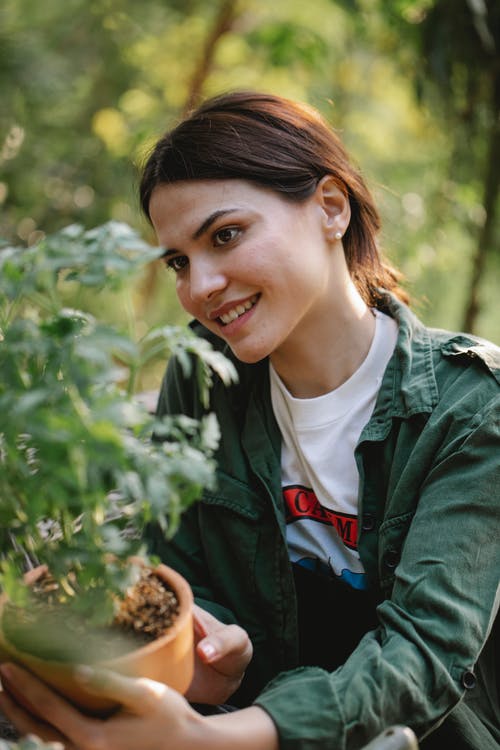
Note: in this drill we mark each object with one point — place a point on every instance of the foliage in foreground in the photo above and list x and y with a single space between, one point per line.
30 742
81 470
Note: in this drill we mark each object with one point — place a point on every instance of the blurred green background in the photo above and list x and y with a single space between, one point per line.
412 86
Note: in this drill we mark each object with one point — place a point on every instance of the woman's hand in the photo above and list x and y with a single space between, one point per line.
222 654
152 715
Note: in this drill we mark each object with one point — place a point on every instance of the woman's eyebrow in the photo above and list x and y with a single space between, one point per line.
210 220
206 224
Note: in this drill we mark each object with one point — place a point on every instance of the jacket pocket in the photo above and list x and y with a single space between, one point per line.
231 524
233 495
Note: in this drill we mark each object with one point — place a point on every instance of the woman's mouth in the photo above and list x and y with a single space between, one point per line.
235 312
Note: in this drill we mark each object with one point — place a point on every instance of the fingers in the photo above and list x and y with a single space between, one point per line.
229 650
154 712
223 653
137 695
26 724
204 622
226 646
56 711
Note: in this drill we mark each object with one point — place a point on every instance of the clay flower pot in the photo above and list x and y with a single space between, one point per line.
168 659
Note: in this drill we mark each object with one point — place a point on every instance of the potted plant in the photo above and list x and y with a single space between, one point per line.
84 467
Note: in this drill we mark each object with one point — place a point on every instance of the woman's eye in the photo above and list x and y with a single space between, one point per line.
177 263
225 235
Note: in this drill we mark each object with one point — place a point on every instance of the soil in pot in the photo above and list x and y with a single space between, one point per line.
49 631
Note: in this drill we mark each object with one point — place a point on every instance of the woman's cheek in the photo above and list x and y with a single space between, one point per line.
185 300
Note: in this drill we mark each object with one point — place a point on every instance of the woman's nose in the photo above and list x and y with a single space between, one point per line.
206 278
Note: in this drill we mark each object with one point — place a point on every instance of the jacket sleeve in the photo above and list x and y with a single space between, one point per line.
184 552
421 660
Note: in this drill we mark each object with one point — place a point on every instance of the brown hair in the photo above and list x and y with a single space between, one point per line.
279 144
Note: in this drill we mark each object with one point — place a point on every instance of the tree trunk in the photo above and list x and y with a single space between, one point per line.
223 22
485 240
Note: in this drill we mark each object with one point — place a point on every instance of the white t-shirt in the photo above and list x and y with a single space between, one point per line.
319 475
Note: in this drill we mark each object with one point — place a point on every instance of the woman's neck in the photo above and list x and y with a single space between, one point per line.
322 356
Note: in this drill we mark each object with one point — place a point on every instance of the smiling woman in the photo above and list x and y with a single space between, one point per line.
346 566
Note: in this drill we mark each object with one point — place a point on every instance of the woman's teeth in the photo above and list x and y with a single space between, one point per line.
237 311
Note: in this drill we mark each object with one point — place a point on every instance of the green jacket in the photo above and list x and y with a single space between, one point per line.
429 464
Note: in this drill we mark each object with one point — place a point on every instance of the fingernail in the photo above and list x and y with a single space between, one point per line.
208 650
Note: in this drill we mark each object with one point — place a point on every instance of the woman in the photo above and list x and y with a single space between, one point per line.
346 567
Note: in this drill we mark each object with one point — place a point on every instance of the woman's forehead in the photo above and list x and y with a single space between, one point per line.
194 199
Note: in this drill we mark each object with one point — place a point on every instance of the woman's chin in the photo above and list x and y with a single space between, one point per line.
249 355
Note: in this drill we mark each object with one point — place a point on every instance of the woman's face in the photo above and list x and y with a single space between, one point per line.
251 266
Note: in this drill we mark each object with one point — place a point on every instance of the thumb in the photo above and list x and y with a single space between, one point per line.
204 622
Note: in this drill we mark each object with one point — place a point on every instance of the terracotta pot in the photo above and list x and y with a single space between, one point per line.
168 659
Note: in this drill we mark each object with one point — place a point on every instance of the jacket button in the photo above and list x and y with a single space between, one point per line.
391 558
468 679
368 522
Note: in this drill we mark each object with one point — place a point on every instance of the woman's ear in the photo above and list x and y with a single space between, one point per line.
335 207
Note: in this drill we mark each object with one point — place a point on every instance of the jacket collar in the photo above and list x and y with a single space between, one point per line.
409 386
473 347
